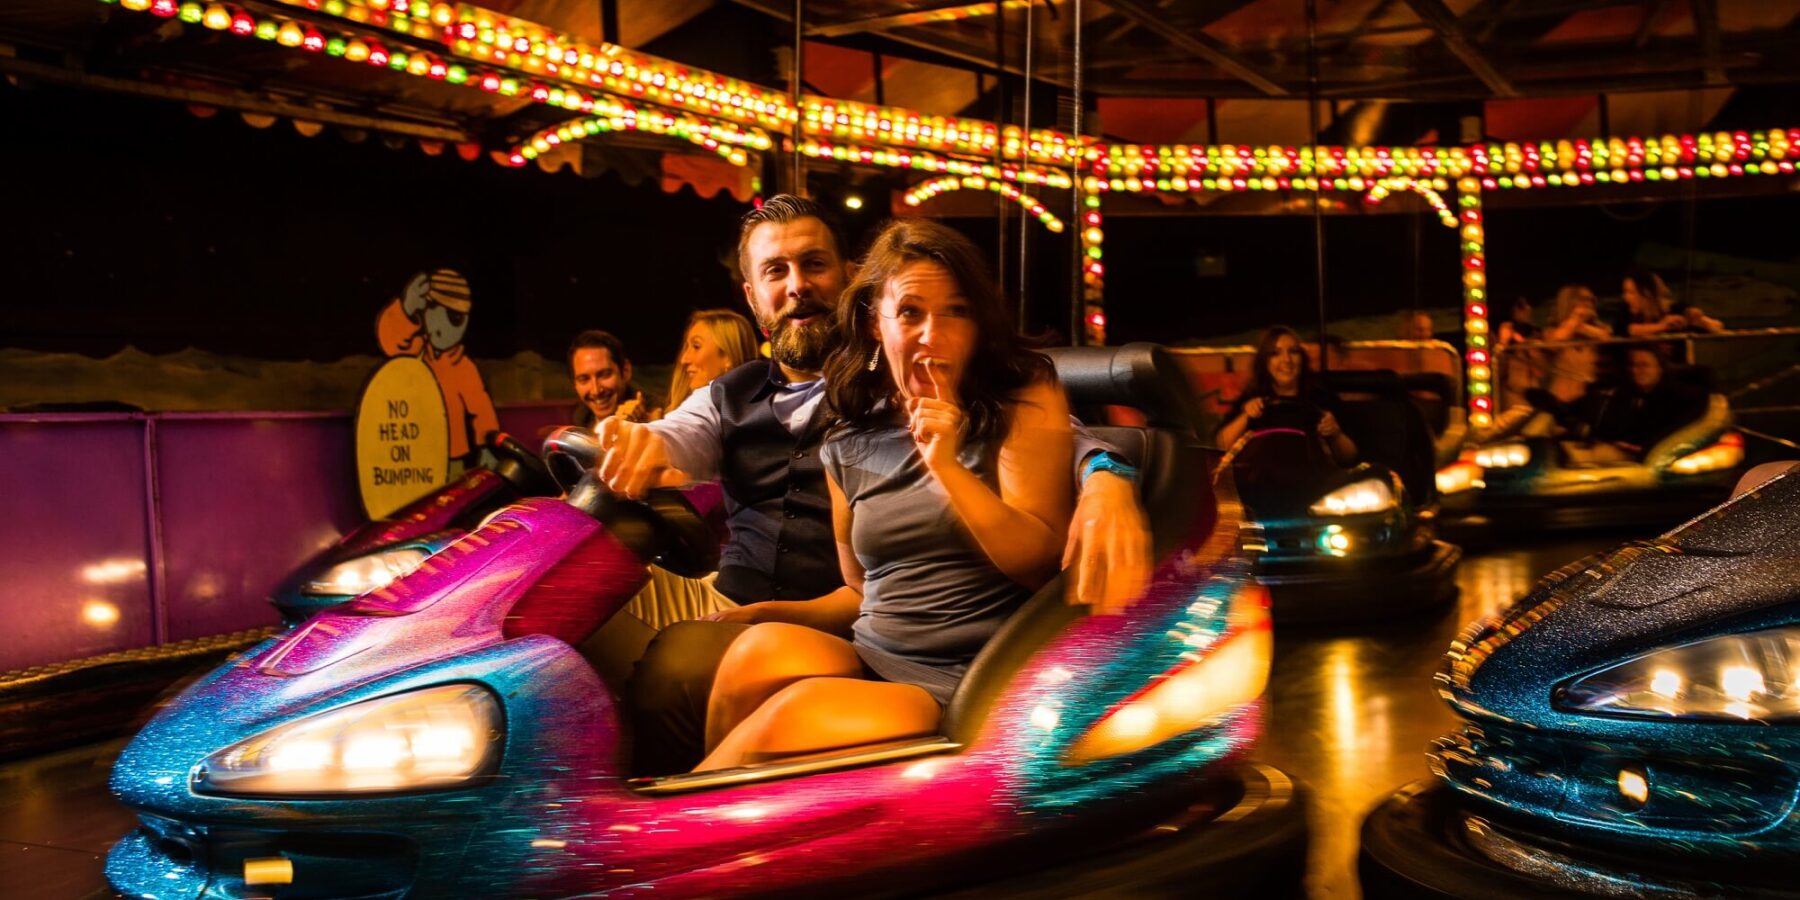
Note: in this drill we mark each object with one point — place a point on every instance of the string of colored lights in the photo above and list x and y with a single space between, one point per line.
897 158
925 190
722 138
1564 163
1093 272
1428 190
1478 371
848 120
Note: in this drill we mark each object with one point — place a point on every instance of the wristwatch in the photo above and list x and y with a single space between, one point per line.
1105 461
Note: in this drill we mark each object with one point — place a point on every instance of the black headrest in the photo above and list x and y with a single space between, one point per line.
1435 383
1363 381
1142 376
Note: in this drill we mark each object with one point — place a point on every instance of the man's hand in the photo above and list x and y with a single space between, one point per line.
413 300
748 614
636 459
1109 545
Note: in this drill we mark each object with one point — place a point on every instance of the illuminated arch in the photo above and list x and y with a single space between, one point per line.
1428 190
925 190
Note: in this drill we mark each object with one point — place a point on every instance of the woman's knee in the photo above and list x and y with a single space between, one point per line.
833 710
778 648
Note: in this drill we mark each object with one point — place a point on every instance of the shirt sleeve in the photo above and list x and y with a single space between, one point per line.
1086 445
693 435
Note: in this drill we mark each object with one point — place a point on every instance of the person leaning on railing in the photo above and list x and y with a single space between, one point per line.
1650 309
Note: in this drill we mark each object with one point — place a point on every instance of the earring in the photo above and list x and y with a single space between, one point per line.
875 358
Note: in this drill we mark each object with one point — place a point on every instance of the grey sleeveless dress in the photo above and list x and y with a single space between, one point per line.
931 597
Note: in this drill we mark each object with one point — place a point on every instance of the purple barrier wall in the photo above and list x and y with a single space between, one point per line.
243 502
74 537
124 530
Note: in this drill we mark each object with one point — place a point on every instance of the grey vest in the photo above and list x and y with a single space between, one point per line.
781 545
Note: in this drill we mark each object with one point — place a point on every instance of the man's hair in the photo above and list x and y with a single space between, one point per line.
783 209
594 337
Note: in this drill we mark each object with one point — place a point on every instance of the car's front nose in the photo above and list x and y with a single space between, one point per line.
199 839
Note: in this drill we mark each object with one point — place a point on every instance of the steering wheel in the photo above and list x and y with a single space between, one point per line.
663 527
1287 414
519 465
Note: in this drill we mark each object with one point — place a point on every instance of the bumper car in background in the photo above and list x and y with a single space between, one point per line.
1630 728
378 552
1546 483
1342 545
444 735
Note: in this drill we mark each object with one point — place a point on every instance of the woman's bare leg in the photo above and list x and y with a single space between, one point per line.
765 659
821 714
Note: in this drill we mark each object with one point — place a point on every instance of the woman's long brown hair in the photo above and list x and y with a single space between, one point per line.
1000 366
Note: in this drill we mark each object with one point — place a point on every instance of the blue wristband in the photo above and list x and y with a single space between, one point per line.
1104 461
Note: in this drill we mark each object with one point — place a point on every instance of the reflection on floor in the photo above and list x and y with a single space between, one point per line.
1350 714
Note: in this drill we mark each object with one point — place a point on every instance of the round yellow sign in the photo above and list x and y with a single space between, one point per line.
402 436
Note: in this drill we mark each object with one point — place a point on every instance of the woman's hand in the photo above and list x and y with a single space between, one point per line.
1328 425
936 424
1253 409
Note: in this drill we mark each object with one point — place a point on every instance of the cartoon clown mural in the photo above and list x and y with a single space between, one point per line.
425 414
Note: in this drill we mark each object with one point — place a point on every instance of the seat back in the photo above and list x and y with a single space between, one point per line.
1376 410
1173 485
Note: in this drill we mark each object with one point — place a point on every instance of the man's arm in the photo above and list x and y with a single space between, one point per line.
683 445
833 613
1109 537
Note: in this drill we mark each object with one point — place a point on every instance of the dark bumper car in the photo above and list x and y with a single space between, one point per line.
378 552
1547 483
1341 545
1632 727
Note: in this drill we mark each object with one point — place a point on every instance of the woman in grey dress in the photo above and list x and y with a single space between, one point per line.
950 494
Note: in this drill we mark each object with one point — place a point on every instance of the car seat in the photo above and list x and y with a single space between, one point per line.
1174 485
1388 428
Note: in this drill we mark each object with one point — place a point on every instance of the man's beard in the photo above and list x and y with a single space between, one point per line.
801 347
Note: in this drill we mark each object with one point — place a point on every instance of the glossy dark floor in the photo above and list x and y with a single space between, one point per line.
1351 712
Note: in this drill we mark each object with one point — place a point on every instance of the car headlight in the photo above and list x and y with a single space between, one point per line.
355 577
1503 456
1365 496
1725 454
1738 677
419 740
1194 694
1459 476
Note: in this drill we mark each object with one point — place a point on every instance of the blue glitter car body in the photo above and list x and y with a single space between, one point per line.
1547 752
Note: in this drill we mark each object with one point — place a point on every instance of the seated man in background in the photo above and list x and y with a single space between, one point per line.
602 375
758 430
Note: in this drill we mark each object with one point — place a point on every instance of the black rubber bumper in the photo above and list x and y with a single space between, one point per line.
1663 508
1252 847
1423 842
1325 591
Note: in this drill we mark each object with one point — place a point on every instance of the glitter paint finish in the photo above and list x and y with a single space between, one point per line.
557 815
1694 789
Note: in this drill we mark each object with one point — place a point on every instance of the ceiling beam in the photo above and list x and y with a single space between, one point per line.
1442 21
948 12
1197 42
1706 26
241 102
1652 11
977 60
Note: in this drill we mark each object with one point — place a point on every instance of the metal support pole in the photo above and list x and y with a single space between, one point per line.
799 72
1076 300
1025 155
1001 204
1318 197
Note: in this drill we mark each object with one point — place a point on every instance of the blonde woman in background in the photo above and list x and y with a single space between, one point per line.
715 342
